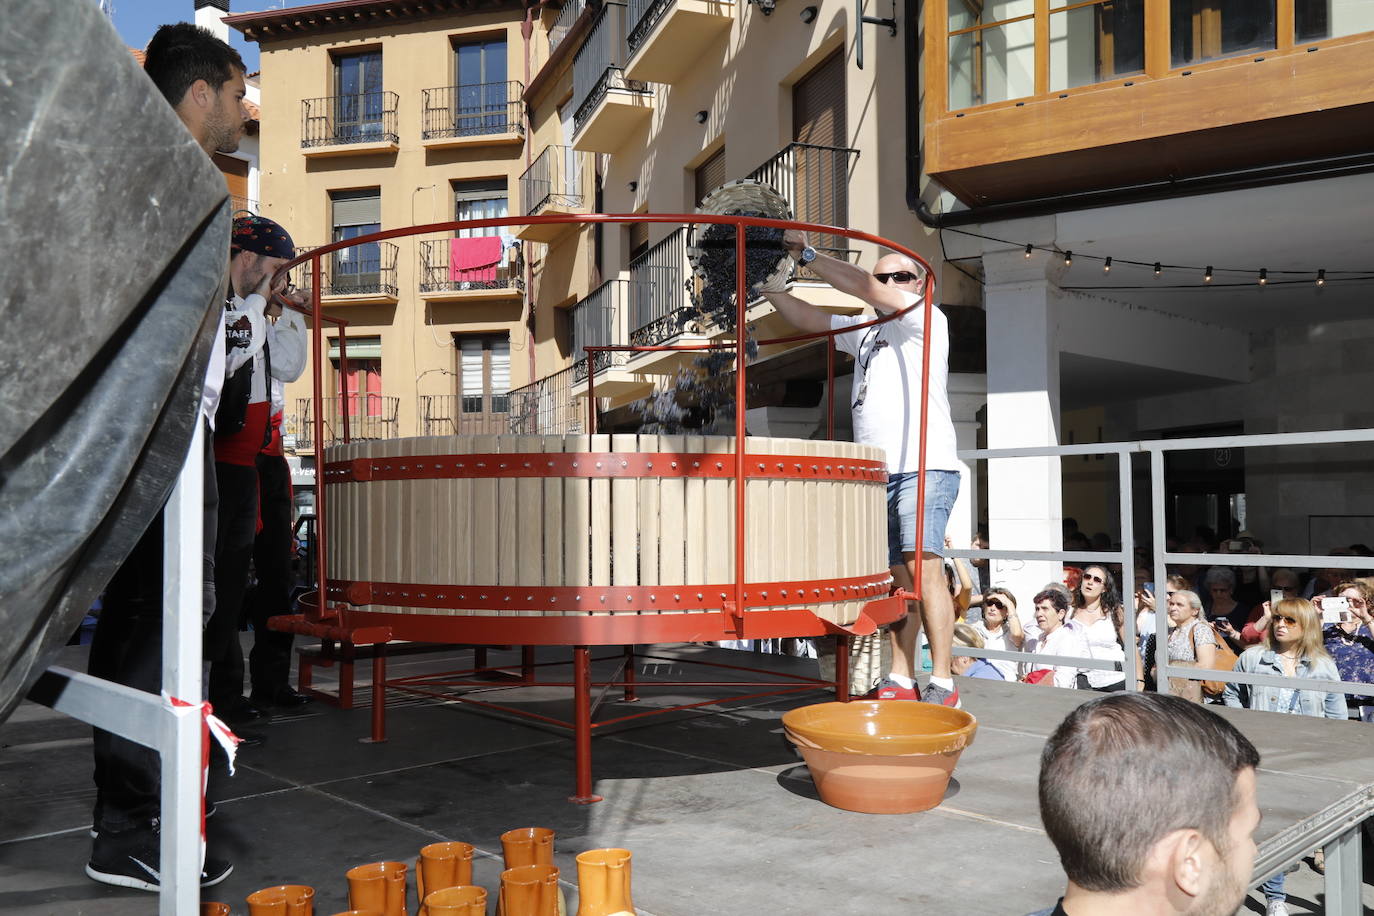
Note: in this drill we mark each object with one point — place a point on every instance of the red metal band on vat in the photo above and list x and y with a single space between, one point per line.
604 465
604 599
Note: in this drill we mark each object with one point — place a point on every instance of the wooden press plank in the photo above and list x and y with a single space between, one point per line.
672 546
650 507
461 520
695 533
552 546
576 544
600 520
718 530
485 506
758 566
625 519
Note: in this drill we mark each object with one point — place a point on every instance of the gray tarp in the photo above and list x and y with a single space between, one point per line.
114 239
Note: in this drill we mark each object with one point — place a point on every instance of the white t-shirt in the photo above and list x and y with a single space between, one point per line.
1065 640
1103 647
998 641
887 374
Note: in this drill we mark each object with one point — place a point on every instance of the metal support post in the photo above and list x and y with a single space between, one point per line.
1127 525
183 734
582 725
629 678
842 668
1343 873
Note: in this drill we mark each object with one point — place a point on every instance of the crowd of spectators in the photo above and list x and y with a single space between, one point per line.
1269 619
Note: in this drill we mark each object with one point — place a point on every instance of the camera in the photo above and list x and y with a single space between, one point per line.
1335 610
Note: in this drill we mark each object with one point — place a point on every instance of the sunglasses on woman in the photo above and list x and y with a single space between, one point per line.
1291 621
1098 579
993 602
901 276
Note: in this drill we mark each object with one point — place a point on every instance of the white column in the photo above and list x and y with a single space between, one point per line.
1024 502
968 392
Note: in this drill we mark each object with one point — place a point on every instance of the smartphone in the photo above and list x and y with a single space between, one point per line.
1275 596
1335 610
1149 588
1236 546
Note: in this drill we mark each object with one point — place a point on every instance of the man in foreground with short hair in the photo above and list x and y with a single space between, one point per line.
886 409
1150 801
203 80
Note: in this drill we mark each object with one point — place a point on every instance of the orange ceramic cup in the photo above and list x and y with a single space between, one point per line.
378 886
282 900
527 846
465 900
442 865
214 909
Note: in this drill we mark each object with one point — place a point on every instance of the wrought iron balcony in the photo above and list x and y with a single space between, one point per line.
598 320
349 120
557 180
668 37
243 204
548 407
660 306
436 276
370 416
364 272
815 179
466 112
597 66
572 9
443 415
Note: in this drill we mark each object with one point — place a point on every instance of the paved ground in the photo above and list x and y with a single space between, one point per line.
721 816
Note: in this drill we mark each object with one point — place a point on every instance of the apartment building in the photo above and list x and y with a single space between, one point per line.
379 116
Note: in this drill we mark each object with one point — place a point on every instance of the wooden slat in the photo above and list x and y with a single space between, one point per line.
717 529
649 527
577 494
695 534
625 520
529 521
672 549
483 531
600 520
553 547
462 520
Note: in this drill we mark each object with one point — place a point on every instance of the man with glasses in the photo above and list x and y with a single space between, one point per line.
886 413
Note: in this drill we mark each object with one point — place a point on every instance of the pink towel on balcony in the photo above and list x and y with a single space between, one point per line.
474 260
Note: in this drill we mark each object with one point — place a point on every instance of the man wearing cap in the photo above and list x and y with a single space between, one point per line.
262 342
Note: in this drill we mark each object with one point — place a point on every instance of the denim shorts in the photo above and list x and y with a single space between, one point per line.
941 489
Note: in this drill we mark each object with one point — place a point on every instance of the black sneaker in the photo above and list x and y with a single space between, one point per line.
131 858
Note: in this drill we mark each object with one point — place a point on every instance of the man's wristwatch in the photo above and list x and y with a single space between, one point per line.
807 255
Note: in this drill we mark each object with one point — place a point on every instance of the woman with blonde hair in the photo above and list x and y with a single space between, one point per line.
968 637
1292 647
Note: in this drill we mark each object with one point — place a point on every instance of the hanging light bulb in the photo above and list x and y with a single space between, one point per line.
1264 276
1068 258
1028 249
1207 277
1158 268
1321 278
1107 265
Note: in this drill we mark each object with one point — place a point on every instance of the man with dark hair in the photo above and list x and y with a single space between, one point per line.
202 78
1150 801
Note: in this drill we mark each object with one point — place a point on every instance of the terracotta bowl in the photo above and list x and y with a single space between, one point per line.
880 757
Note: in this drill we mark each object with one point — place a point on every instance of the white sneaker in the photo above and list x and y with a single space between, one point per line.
1276 908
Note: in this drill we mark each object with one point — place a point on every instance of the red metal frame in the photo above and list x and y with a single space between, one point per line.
624 628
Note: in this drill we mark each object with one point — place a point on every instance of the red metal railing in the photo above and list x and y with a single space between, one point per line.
741 301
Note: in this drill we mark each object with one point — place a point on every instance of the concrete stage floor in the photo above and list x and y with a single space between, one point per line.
720 814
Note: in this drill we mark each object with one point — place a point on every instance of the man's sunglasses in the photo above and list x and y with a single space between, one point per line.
901 276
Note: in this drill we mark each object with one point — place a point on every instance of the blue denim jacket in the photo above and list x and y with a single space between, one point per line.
1262 660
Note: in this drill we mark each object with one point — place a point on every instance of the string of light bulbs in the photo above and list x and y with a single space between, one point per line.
1261 276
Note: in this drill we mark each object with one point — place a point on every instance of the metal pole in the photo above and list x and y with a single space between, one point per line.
741 300
591 392
317 370
1343 873
183 728
582 725
1123 470
842 668
1161 571
629 678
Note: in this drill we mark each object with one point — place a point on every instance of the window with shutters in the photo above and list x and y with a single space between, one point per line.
485 198
709 175
819 164
363 380
637 239
483 373
355 213
479 69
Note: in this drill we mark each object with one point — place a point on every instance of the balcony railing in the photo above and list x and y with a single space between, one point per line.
815 179
547 407
437 277
598 320
368 117
563 25
363 270
370 416
597 66
472 111
659 303
443 415
556 179
643 15
242 204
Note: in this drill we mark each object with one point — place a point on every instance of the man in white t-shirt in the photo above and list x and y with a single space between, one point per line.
886 413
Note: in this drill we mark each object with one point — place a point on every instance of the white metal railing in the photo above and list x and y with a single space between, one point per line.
1336 828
